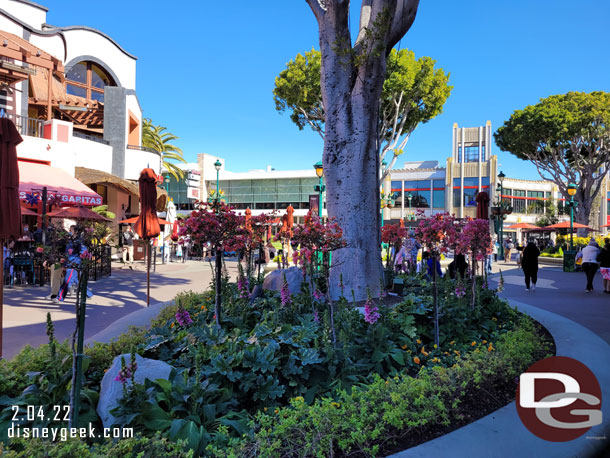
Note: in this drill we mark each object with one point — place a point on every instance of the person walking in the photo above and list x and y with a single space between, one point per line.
589 263
128 237
529 264
508 247
604 264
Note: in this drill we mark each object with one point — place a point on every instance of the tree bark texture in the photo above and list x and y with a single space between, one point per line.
351 83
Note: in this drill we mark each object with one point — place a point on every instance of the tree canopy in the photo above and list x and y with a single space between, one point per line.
157 138
567 138
414 92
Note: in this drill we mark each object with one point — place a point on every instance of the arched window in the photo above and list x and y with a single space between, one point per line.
88 79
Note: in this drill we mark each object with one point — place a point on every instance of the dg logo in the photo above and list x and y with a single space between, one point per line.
559 399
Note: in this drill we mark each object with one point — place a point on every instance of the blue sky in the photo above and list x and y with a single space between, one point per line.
206 70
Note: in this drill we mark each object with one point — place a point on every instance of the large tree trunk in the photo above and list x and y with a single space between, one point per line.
352 183
351 83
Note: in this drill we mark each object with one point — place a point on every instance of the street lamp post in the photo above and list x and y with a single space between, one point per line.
501 177
571 192
410 198
320 188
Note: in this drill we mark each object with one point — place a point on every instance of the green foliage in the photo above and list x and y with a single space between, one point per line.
414 92
187 408
157 138
567 137
372 415
136 447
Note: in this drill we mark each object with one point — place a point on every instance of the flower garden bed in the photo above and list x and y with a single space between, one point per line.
270 382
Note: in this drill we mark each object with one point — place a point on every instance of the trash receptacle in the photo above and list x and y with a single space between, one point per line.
139 250
569 261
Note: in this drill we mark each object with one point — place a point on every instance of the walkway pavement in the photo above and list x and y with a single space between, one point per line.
559 292
25 308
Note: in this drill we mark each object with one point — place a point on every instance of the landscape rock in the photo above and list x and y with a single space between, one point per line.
111 390
275 280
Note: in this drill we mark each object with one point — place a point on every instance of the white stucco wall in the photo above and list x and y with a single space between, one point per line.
61 155
92 155
29 14
136 160
86 42
9 26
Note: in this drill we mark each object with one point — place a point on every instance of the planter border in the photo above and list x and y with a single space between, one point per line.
501 433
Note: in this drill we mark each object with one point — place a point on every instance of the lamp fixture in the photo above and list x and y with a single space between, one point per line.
319 167
572 189
218 165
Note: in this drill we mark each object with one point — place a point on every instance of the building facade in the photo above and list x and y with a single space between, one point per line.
417 187
71 92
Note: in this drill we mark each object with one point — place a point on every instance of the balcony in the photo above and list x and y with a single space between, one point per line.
28 126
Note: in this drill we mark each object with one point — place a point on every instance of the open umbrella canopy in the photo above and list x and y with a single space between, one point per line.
28 212
81 213
523 226
566 225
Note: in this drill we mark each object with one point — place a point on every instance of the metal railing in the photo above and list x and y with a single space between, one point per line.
27 126
143 148
90 137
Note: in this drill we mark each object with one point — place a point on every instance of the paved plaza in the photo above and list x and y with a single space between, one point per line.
25 308
559 292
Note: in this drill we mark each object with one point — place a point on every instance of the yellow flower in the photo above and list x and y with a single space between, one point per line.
418 342
265 409
416 360
452 342
299 399
424 352
446 353
171 325
484 342
435 346
404 347
336 405
276 411
435 360
473 344
387 383
203 308
491 347
494 319
456 352
105 370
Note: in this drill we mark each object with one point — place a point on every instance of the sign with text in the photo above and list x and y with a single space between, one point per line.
314 203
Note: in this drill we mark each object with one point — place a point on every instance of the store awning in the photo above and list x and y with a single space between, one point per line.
61 186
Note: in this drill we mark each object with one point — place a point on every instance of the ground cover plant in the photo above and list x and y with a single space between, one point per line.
272 367
285 373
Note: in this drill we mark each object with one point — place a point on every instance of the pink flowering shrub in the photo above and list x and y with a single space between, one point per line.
474 240
393 235
223 229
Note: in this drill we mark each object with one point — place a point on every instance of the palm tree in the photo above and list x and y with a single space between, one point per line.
156 138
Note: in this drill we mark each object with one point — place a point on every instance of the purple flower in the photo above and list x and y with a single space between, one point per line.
318 296
126 372
183 317
460 291
316 317
243 285
371 312
285 294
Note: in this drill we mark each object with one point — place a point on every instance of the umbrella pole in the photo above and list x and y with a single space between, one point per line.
147 273
1 291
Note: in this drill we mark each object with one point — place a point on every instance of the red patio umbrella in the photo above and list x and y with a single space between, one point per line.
248 216
82 213
175 231
10 222
566 225
147 224
28 212
523 226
